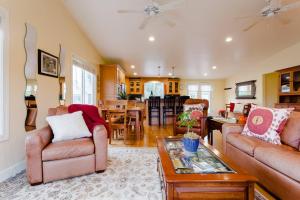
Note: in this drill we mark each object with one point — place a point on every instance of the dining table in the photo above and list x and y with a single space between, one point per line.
136 111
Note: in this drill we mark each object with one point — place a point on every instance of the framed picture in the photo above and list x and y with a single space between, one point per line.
245 90
47 64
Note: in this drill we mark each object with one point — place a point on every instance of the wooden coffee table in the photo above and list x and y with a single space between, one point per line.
222 181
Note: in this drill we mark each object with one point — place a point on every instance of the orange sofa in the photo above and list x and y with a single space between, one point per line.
276 166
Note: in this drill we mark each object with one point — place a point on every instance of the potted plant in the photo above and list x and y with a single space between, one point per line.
190 139
122 95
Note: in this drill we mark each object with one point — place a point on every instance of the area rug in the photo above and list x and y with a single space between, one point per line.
131 175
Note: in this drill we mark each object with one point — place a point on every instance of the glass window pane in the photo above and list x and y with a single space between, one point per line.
77 85
155 88
1 81
205 88
88 88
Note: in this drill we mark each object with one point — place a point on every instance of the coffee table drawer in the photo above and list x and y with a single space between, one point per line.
190 191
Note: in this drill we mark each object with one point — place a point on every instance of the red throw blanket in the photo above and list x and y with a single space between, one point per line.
90 115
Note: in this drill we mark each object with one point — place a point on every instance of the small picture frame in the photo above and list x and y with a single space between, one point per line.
47 64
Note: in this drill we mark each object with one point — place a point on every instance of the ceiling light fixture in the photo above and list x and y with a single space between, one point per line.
205 74
132 67
214 67
135 74
170 74
228 39
173 74
151 39
158 71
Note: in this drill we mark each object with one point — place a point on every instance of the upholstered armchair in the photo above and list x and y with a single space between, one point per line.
47 161
200 128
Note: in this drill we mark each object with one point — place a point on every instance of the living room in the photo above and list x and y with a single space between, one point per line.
149 99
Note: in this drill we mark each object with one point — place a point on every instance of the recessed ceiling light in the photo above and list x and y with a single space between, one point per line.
228 39
151 39
132 66
205 74
170 74
214 67
134 73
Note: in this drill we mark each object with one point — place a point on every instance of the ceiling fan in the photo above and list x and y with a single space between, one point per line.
154 9
273 9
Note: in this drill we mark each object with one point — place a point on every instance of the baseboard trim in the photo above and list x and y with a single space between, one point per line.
12 171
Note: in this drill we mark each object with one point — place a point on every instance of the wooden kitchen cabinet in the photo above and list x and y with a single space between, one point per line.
135 86
112 81
172 86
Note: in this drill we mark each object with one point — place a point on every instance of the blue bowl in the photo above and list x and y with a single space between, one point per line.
191 145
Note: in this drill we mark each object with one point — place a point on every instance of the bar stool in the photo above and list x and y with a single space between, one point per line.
181 100
154 108
169 107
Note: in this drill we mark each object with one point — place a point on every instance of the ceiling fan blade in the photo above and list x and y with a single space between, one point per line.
169 22
144 23
170 6
290 6
252 25
129 11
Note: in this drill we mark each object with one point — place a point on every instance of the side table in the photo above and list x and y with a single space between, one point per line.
216 123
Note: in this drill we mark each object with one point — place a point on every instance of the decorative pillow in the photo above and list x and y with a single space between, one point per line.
196 114
238 108
191 107
291 132
264 123
68 126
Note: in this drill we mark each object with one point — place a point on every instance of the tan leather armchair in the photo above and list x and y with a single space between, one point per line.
47 161
200 128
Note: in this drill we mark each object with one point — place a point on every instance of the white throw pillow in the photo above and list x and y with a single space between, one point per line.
238 108
68 126
192 107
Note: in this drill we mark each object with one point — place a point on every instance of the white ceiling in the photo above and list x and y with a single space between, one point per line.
194 45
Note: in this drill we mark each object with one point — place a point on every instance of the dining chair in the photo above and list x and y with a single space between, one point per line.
117 118
181 100
154 108
168 107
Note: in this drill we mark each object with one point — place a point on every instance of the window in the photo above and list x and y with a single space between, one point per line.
200 91
153 88
84 84
3 75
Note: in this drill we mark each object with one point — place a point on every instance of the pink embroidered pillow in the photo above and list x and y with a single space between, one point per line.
265 123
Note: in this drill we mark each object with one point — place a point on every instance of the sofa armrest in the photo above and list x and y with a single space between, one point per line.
35 142
228 128
100 141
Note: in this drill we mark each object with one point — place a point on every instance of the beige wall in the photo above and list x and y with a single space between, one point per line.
218 94
54 25
270 89
288 57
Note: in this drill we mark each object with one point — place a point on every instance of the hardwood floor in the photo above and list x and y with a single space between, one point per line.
150 133
149 139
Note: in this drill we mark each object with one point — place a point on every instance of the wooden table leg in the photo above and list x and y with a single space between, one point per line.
212 137
138 125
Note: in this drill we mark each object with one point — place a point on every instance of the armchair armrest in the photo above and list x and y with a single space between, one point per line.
228 129
100 141
35 142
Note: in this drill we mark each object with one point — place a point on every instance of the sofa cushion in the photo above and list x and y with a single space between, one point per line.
244 143
283 159
68 126
264 123
291 132
68 149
